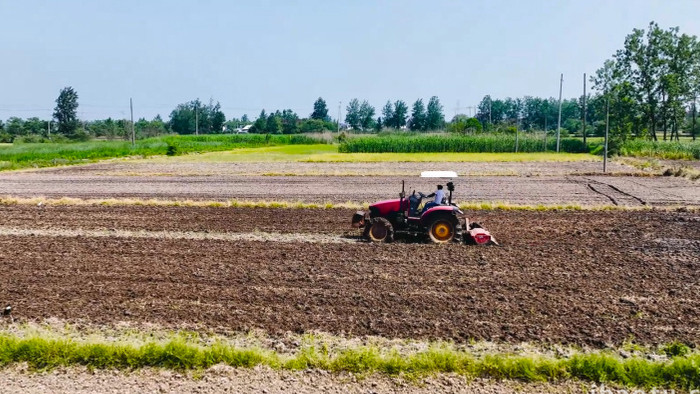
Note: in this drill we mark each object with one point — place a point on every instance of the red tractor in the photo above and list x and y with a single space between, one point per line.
406 217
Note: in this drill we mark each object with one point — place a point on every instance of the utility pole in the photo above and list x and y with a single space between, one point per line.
49 133
546 110
490 119
561 83
133 134
340 104
517 134
196 119
584 108
607 128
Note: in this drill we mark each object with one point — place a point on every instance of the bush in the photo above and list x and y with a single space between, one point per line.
172 150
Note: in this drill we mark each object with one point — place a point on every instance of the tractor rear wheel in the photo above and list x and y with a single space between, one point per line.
443 230
379 230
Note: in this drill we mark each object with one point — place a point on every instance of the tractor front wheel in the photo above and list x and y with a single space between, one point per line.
442 230
379 230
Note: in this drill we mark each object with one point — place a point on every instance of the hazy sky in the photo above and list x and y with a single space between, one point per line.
251 55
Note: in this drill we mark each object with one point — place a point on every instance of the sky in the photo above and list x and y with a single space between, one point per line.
250 55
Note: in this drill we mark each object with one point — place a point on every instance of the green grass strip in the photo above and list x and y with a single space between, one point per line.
601 367
53 154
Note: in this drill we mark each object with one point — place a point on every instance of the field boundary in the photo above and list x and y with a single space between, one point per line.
675 367
281 204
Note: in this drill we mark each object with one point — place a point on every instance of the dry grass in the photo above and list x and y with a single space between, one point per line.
479 206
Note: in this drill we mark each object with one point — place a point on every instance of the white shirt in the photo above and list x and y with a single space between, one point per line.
439 196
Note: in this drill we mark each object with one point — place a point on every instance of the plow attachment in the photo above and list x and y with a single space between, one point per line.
474 234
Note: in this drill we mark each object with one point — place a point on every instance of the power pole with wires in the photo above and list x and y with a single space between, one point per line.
561 84
340 104
133 133
196 120
584 108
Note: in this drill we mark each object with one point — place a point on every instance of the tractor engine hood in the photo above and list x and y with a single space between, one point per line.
383 208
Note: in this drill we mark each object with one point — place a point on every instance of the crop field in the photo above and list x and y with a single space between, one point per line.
223 245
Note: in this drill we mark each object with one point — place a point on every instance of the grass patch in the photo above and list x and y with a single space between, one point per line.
467 206
682 150
453 157
329 154
187 353
493 143
54 154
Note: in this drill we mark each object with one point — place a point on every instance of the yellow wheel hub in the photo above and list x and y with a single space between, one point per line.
442 231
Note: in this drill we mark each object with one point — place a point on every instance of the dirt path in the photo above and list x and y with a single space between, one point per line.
585 190
564 277
221 379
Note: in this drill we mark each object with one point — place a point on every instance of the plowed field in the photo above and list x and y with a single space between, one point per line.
575 277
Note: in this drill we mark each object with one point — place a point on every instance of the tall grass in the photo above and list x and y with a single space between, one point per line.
683 150
601 367
52 154
449 143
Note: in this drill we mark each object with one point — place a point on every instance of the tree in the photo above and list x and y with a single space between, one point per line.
260 123
352 116
400 114
419 117
274 123
218 119
434 118
388 113
290 122
65 113
320 110
244 119
188 117
366 115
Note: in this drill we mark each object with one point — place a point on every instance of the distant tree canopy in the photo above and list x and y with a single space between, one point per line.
651 86
66 114
320 110
191 116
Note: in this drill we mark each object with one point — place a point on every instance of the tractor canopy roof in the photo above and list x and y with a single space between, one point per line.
438 174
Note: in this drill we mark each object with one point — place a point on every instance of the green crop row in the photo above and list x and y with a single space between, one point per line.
494 143
680 371
51 154
685 150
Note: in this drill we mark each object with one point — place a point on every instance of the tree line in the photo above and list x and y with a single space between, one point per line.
650 86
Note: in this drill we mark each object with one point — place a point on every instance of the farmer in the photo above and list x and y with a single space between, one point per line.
439 195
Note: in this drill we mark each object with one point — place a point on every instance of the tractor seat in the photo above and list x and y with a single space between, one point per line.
413 203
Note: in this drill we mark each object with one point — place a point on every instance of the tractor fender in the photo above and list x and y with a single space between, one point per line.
434 212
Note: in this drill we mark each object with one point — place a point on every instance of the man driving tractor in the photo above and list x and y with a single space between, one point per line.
439 195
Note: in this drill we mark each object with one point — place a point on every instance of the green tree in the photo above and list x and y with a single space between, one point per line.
400 114
366 115
218 119
320 110
274 123
290 122
352 114
388 114
434 118
419 117
260 123
65 113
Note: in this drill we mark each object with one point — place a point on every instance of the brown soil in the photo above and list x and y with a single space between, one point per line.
572 277
580 189
222 379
